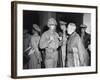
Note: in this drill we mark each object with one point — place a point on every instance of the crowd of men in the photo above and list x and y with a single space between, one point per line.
52 49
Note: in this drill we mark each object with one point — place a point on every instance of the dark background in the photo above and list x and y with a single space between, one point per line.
41 17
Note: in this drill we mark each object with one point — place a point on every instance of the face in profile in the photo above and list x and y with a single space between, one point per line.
83 30
71 28
63 27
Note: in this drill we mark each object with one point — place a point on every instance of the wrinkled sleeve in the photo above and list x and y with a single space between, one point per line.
33 42
57 41
82 53
43 41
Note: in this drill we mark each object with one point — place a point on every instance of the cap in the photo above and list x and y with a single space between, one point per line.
36 27
62 23
83 26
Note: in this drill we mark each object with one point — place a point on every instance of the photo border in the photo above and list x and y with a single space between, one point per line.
14 37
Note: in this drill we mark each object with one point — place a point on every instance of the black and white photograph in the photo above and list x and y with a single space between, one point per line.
54 39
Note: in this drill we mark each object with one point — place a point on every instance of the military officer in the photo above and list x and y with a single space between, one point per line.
76 53
35 55
26 41
64 40
85 36
50 42
86 40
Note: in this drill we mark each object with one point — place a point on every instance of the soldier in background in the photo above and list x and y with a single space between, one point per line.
35 55
50 42
85 36
64 40
26 49
76 53
86 40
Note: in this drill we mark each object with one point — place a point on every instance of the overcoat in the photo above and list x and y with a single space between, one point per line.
76 53
34 53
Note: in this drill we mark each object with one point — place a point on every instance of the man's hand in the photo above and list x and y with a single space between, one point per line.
39 57
75 50
31 51
61 43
